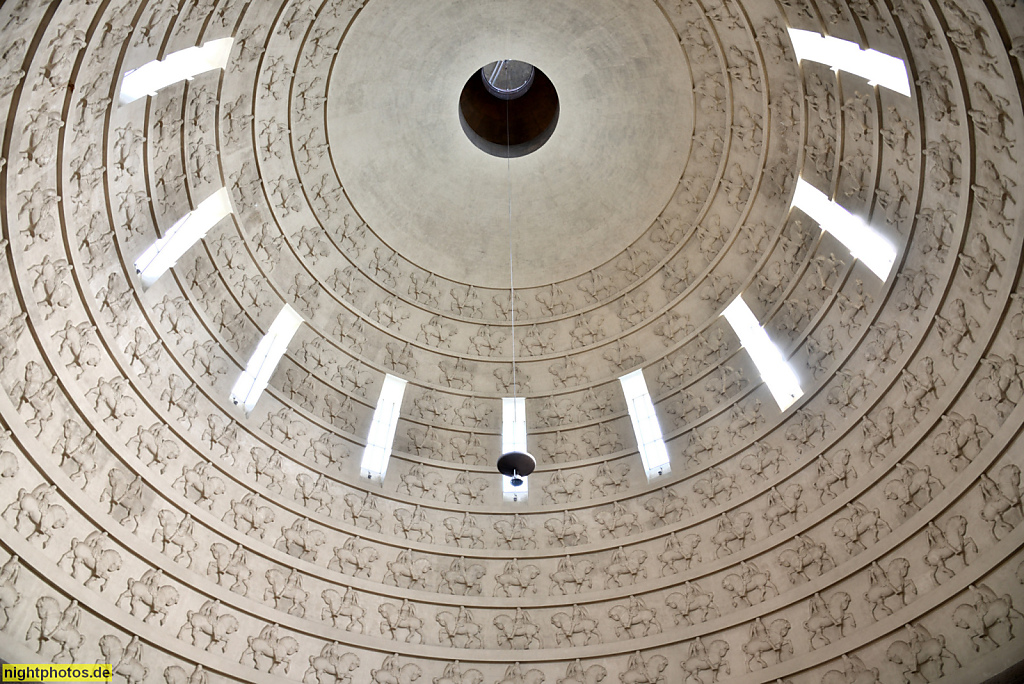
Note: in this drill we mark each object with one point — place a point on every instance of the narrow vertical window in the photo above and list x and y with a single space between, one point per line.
190 229
649 440
177 66
842 55
513 438
264 360
382 429
776 373
863 241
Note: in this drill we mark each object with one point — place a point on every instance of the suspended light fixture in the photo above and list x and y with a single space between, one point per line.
516 465
515 462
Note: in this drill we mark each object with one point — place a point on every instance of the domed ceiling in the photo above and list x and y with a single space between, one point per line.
868 533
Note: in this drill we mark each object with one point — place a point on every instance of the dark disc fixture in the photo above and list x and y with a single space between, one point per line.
516 465
508 108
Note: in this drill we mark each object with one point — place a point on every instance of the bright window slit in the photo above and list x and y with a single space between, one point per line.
264 360
776 373
513 438
177 66
842 55
163 254
382 428
863 241
649 440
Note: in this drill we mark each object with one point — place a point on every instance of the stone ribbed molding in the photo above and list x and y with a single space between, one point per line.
870 533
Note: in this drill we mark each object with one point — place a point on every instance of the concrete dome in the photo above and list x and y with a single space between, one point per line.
869 532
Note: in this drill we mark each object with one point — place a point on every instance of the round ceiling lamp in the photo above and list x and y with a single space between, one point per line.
516 465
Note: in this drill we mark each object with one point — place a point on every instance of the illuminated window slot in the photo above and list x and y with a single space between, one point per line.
776 373
863 241
163 254
182 65
264 360
382 429
649 440
513 438
842 55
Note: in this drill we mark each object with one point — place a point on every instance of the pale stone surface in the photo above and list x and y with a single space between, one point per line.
608 170
871 533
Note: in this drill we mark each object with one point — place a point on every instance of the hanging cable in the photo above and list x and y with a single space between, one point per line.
511 267
514 464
